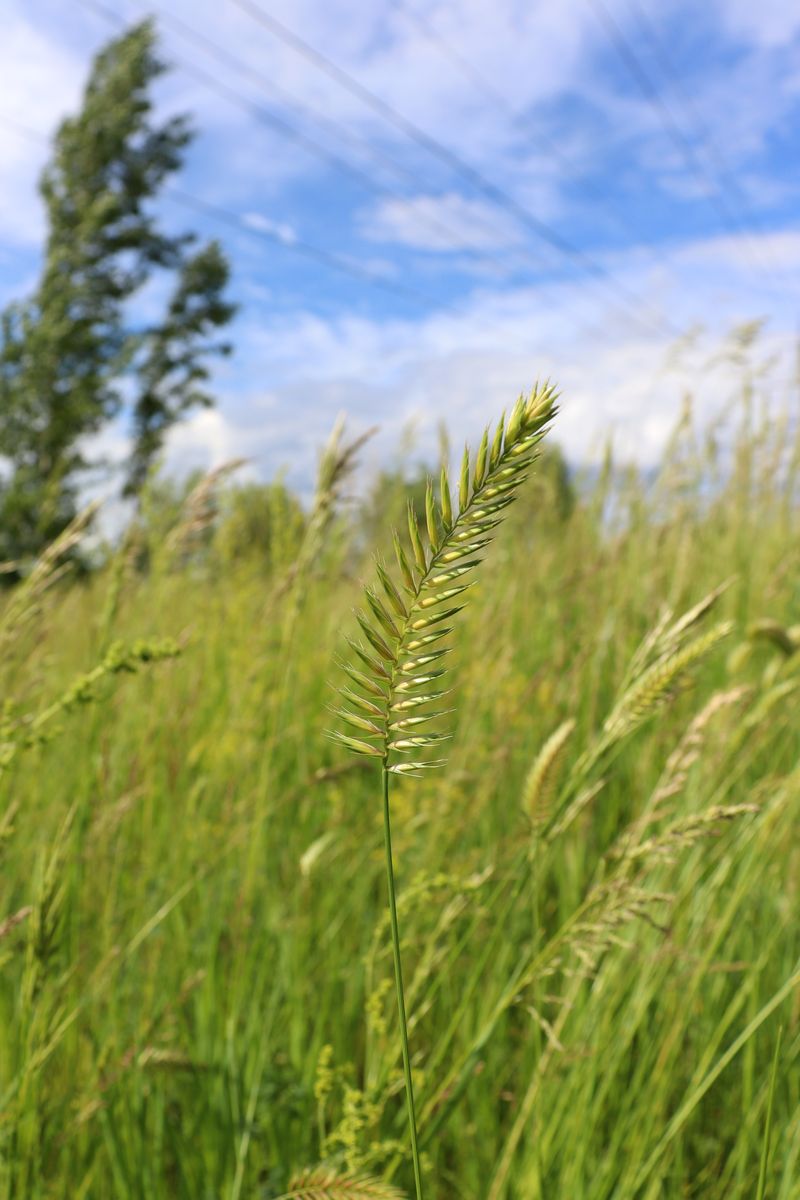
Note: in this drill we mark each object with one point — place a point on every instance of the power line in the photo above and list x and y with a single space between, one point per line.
713 193
289 98
291 132
444 154
324 257
293 244
692 112
242 68
485 86
328 258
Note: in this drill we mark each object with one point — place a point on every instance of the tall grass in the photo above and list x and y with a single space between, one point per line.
596 898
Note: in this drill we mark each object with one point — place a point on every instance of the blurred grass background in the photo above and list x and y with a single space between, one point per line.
196 988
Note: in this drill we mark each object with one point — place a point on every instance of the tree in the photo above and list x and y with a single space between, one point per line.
173 364
70 357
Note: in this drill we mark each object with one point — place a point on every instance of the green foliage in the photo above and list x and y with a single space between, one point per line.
597 898
260 522
67 353
171 361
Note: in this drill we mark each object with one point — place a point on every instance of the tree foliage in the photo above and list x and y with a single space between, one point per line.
71 357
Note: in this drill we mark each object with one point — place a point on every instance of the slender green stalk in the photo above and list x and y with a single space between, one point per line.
765 1145
398 978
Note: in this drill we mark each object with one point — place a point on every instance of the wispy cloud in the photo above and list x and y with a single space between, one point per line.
537 100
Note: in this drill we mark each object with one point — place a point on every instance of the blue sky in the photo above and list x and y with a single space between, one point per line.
585 183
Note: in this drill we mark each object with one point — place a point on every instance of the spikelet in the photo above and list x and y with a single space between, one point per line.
657 684
667 634
53 562
689 749
199 508
537 793
688 830
401 678
325 1183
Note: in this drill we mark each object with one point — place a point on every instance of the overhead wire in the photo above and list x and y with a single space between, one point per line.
469 174
714 194
310 251
293 133
292 243
496 97
727 177
365 144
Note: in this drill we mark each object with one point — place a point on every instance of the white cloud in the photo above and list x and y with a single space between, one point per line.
464 361
280 229
449 222
41 81
770 23
465 365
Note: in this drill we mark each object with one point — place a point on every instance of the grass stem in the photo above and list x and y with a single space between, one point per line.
398 978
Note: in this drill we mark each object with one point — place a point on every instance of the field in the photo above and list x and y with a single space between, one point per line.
599 929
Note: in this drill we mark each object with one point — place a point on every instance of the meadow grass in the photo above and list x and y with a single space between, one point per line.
597 896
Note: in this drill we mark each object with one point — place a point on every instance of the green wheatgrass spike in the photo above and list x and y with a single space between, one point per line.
375 639
381 615
497 444
395 599
404 565
416 540
400 702
374 664
444 500
430 517
480 461
463 485
357 746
